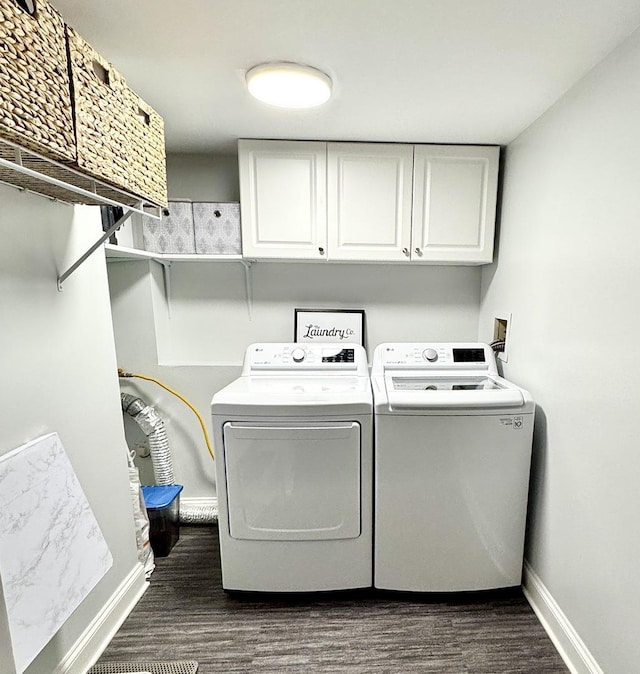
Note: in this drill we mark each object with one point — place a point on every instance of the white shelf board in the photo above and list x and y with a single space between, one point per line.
174 257
124 253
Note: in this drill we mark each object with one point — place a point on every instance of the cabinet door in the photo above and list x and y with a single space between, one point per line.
283 199
454 203
369 201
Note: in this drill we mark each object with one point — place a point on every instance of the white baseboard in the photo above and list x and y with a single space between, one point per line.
104 626
567 641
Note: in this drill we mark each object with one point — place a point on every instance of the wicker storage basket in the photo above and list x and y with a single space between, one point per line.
35 100
100 113
148 163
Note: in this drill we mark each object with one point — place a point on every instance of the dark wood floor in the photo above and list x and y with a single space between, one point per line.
185 615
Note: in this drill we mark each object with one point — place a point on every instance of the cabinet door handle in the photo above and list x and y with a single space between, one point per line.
406 251
418 252
321 251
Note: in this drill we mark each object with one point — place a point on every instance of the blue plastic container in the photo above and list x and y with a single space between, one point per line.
163 508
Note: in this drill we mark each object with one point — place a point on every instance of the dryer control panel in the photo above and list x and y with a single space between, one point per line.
306 356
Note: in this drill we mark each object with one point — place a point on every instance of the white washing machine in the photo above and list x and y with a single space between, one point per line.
452 457
294 455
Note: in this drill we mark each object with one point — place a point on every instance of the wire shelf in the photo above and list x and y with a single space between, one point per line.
27 170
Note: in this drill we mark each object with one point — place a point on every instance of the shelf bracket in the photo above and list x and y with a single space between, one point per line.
118 223
248 286
166 279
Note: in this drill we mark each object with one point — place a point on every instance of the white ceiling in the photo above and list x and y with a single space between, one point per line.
456 71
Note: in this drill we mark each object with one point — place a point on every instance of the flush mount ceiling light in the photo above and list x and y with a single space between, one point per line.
288 85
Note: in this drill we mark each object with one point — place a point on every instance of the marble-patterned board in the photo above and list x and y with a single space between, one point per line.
52 552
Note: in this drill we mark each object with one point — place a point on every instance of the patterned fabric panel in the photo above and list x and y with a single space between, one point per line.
173 233
217 228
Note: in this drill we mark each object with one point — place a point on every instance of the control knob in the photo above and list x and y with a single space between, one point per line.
298 355
430 354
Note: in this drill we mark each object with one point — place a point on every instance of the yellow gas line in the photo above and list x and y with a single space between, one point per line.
137 375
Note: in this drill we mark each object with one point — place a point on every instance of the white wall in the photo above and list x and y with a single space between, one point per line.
203 177
135 292
199 347
210 321
569 270
58 374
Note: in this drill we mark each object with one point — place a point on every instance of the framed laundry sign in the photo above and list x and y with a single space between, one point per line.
329 325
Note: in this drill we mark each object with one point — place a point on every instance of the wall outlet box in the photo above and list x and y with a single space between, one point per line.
501 327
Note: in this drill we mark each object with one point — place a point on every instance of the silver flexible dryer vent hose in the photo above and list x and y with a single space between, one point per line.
153 427
198 514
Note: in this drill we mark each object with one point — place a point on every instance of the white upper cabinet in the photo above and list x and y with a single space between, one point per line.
377 202
454 203
369 201
283 187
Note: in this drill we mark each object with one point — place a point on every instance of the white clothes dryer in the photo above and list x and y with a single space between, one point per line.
452 458
294 463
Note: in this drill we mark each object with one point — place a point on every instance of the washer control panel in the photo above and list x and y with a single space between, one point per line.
431 356
289 357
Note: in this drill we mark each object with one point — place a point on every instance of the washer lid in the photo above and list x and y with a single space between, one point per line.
403 383
420 392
